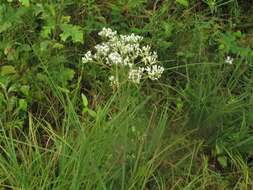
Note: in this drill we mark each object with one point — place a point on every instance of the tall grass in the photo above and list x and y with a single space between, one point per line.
125 146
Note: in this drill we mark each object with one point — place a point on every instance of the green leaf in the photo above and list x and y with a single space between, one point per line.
168 28
223 161
5 26
62 89
92 113
65 19
25 2
46 31
85 110
218 149
8 69
13 88
44 45
85 100
72 31
179 104
25 90
58 46
2 100
22 104
68 74
185 3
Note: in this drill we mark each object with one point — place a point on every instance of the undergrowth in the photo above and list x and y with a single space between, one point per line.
63 126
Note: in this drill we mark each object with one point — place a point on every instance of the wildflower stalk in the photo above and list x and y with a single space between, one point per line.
125 53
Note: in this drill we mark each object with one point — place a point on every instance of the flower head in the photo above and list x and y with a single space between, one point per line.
107 33
113 81
87 57
128 53
135 75
115 58
133 38
102 49
154 71
229 60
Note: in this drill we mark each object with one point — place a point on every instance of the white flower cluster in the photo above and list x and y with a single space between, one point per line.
229 60
87 57
126 51
135 75
114 81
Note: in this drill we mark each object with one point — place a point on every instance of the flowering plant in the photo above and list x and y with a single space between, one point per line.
125 52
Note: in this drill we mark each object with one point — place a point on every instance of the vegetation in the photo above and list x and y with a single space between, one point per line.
64 125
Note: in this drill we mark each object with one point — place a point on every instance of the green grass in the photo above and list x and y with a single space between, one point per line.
190 130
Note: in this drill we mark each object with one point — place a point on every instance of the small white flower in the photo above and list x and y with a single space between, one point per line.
229 60
129 48
154 72
146 50
133 38
127 62
112 78
115 58
87 57
114 81
102 49
107 33
135 75
150 59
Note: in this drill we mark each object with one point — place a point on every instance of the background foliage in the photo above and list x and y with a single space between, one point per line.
63 127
